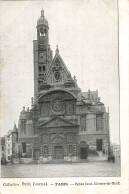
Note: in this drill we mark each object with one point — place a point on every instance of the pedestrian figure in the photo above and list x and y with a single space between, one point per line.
109 158
113 159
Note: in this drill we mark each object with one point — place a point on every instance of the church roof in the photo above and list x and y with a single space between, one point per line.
58 56
42 20
93 95
59 121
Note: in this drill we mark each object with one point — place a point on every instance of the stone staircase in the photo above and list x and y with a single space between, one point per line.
100 157
25 160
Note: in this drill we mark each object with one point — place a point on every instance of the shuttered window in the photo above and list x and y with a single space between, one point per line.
99 122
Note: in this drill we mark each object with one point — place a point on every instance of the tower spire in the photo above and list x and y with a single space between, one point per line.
14 127
42 12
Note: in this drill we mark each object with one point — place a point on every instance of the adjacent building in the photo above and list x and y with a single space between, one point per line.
115 150
8 143
3 150
63 121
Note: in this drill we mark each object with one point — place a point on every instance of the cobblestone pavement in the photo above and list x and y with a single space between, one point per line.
89 169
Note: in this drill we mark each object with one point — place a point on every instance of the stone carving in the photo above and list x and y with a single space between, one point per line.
45 138
45 109
54 95
82 109
57 67
57 105
57 71
41 80
71 137
57 76
69 108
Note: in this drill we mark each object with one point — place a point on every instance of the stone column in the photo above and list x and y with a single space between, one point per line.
65 148
74 152
50 152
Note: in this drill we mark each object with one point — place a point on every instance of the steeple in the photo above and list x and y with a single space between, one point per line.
14 127
42 29
42 13
42 54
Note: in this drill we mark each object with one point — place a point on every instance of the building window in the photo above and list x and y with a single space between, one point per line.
83 123
70 108
99 123
23 128
39 68
43 68
24 147
2 148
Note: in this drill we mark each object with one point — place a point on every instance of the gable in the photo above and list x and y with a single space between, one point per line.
58 72
58 122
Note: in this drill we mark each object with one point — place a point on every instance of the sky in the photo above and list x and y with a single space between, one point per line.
87 34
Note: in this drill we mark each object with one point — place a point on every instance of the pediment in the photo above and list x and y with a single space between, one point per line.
58 122
58 71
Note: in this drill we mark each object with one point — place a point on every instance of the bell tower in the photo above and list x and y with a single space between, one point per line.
42 54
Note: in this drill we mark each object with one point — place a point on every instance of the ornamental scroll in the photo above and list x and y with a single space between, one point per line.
57 94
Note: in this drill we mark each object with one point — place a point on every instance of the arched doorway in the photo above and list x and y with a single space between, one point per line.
58 148
99 144
83 150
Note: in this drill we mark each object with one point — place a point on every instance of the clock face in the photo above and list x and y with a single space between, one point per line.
42 57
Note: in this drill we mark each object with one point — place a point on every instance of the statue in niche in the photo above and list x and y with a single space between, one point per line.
69 108
45 149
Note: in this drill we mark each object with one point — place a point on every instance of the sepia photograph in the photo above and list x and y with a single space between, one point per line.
60 94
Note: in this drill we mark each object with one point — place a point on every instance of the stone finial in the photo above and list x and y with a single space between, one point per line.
74 77
42 12
57 49
108 109
28 110
23 108
89 94
99 99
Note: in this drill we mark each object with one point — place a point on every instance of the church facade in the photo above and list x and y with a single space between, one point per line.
63 121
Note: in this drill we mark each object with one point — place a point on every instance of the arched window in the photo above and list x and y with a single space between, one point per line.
45 32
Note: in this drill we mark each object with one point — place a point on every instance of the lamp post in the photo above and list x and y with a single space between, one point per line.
109 151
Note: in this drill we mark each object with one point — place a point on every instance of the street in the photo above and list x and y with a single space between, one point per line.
89 169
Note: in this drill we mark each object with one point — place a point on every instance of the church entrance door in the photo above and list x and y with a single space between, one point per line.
36 154
84 153
99 144
58 151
